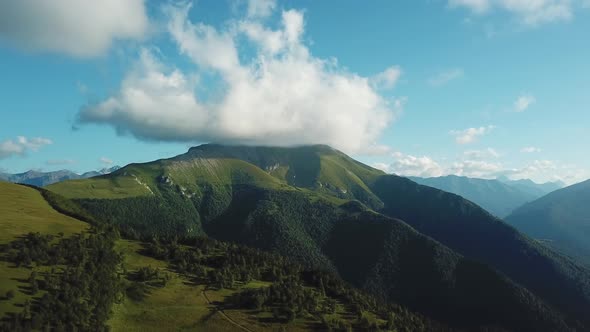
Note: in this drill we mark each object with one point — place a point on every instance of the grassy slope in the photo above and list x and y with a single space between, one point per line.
179 306
143 179
317 168
183 306
23 210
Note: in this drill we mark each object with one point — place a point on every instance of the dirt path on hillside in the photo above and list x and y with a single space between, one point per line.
228 318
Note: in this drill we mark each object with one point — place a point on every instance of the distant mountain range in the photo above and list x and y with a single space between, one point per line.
431 251
533 188
499 197
561 219
42 179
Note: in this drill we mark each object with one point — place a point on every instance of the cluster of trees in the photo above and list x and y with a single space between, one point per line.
78 294
141 281
295 290
287 299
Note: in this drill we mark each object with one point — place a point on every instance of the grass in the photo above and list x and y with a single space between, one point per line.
220 171
179 306
136 180
23 210
140 179
101 187
182 306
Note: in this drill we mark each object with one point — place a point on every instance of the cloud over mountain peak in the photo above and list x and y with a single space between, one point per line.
282 95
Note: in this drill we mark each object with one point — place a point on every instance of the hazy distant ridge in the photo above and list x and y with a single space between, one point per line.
41 179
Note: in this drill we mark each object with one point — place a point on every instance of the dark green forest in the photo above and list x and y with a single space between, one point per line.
388 259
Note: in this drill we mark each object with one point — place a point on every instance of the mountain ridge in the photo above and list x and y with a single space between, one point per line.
41 179
307 211
499 196
561 219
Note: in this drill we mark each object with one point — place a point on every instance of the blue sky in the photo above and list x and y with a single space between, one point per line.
471 87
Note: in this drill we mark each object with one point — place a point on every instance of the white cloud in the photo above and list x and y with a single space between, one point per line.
475 169
484 164
382 166
387 78
281 96
445 77
60 162
547 170
477 6
530 149
523 102
82 28
470 135
21 145
408 165
261 8
105 160
528 12
481 154
376 150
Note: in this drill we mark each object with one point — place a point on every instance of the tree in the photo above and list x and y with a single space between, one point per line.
10 294
27 310
391 321
34 283
290 313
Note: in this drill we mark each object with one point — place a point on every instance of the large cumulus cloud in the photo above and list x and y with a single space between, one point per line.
82 28
280 95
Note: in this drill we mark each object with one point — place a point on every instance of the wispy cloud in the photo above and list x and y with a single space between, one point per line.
446 76
261 8
530 149
105 160
470 135
387 78
523 102
21 145
481 154
528 12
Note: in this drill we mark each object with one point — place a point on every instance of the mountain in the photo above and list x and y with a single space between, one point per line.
58 270
103 171
41 179
499 198
561 219
424 248
531 187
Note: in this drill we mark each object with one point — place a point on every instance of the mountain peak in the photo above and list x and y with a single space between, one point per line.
217 147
